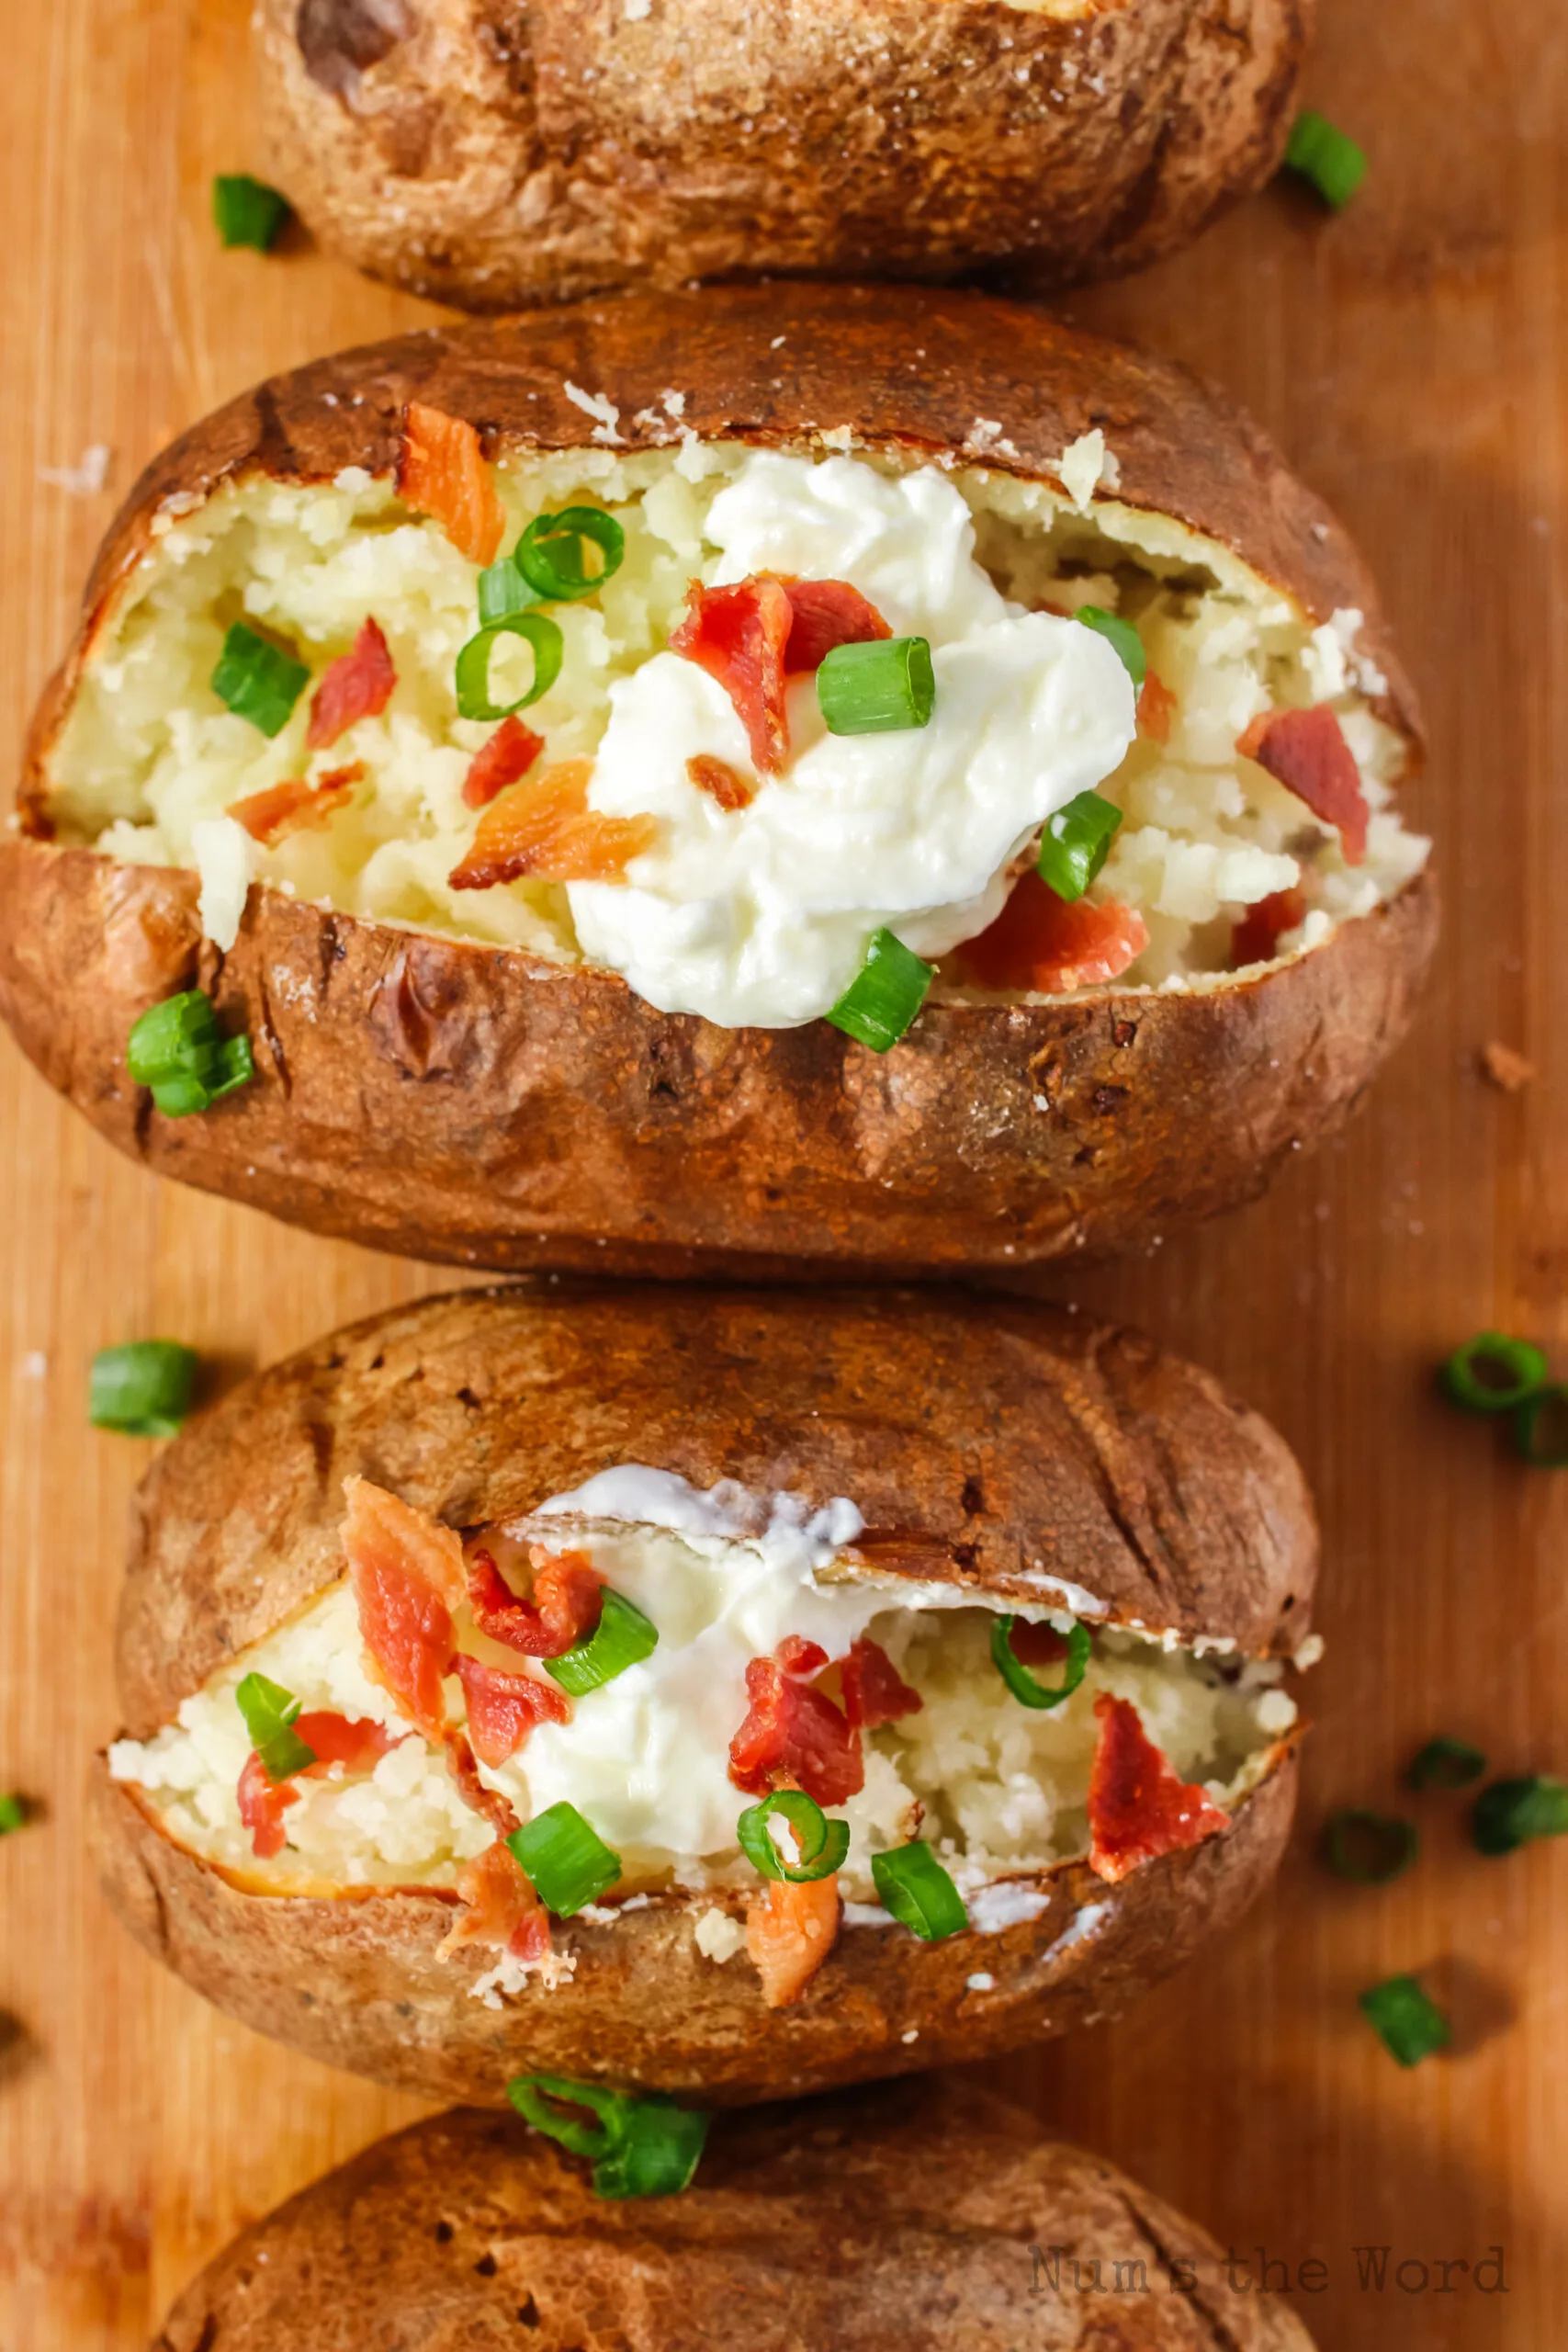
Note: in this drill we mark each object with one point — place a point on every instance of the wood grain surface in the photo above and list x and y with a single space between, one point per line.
1413 358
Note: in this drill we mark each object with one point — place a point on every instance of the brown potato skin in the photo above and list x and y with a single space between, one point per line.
866 2224
472 1104
495 155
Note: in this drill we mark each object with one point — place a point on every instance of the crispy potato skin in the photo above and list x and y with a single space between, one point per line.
932 2198
456 1101
493 154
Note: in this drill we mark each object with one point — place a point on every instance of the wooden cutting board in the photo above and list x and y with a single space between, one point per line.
1413 359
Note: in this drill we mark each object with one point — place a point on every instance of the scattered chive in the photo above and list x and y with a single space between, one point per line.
503 590
142 1389
1123 635
1409 2025
259 680
1017 1676
1077 843
551 555
622 1636
473 664
887 991
1444 1763
874 688
1511 1813
639 2148
1540 1428
247 211
823 1844
12 1814
568 1862
1491 1374
177 1050
1334 163
270 1714
1370 1849
913 1885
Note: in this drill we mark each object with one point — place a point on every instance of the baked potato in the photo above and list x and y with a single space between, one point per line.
507 155
950 2220
720 1693
953 820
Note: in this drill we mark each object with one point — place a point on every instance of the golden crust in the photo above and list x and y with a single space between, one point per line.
497 155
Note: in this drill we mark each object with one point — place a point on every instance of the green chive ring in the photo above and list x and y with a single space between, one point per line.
823 1843
1369 1848
1017 1676
1493 1373
473 664
549 555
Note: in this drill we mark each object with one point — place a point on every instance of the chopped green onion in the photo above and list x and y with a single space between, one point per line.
885 995
270 1714
1369 1848
1017 1676
551 555
12 1814
142 1389
1511 1813
913 1885
1123 635
823 1844
874 688
247 211
622 1636
1077 843
639 2148
177 1049
1444 1763
473 664
1335 164
1491 1374
1409 2025
259 680
1540 1428
504 590
568 1863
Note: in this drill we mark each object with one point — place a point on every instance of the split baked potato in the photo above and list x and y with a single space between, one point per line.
943 808
498 155
718 1693
949 2218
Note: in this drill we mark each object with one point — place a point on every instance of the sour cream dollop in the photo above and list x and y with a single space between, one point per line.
760 917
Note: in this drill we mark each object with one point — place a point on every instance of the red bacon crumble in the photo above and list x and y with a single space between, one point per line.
1139 1808
797 1655
739 636
563 1606
263 1804
544 828
1051 944
825 613
297 804
504 1708
500 1908
488 1803
790 1930
441 473
720 782
354 1741
505 759
875 1691
407 1574
1156 708
793 1737
1256 939
1307 751
358 685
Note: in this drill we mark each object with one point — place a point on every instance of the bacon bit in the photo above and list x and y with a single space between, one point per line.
739 636
790 1930
295 805
358 685
1052 944
563 1606
1307 751
505 759
263 1804
719 781
797 1655
1139 1808
489 1803
1506 1070
875 1691
500 1908
354 1741
407 1574
441 473
1256 939
823 613
504 1708
1156 708
793 1737
545 828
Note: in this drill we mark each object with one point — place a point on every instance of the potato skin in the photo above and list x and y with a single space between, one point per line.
495 155
468 1103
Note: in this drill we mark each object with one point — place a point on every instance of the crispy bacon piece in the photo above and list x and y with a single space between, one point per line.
1052 944
1307 751
563 1606
354 1741
739 636
441 473
500 1908
489 1803
505 759
1256 939
823 613
875 1691
504 1708
546 829
797 1655
790 1930
358 685
263 1804
793 1737
1156 708
1139 1808
295 805
720 782
407 1574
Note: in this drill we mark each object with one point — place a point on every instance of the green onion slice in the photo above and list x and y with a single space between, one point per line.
874 688
1540 1428
1406 2021
1123 635
568 1862
1444 1763
270 1714
259 679
1491 1374
473 664
639 2148
1511 1813
12 1814
247 211
1334 163
823 1844
178 1051
621 1638
883 999
1077 843
142 1389
1370 1849
913 1885
1017 1676
504 590
552 554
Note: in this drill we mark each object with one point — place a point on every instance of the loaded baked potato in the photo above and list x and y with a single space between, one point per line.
711 1693
501 155
945 809
949 2218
